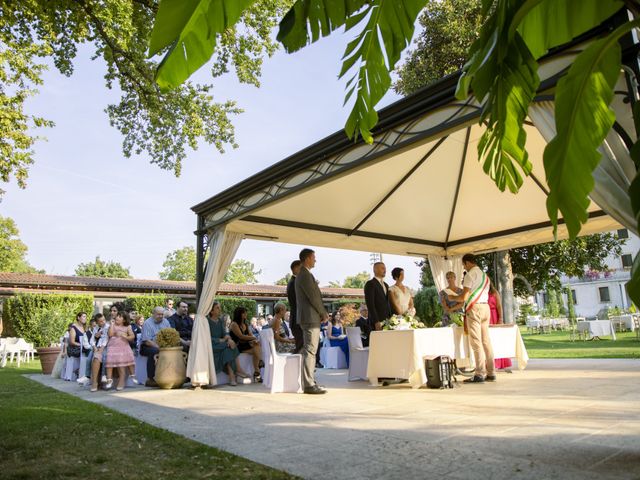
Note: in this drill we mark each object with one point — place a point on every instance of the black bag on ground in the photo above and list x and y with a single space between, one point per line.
440 372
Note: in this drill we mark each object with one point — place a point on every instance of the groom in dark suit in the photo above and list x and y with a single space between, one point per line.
310 312
376 295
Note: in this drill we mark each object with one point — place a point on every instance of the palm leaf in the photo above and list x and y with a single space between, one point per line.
388 28
192 34
583 119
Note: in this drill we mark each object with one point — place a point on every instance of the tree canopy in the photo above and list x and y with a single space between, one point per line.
101 268
180 265
284 280
242 272
163 125
12 250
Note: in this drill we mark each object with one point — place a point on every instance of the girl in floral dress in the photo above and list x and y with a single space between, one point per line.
119 354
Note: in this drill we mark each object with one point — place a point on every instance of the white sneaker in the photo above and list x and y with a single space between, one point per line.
82 380
109 384
103 379
134 380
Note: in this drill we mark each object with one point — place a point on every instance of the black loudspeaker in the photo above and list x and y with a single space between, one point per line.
440 372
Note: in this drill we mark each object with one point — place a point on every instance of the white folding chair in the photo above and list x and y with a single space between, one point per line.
285 373
358 355
332 357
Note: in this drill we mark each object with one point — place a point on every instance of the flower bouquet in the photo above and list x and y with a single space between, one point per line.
402 322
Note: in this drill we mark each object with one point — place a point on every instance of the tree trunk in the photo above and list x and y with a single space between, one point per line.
505 284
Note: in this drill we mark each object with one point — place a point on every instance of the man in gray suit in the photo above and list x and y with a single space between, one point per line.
310 312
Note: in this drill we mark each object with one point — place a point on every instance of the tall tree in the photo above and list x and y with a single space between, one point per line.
284 280
180 265
12 250
356 281
161 125
242 272
100 268
449 27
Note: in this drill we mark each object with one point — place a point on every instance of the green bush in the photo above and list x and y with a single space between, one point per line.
526 309
144 304
229 304
43 318
427 305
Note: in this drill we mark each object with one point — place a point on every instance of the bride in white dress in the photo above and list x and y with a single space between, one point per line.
399 295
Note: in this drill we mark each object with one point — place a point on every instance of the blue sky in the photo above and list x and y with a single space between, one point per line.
84 198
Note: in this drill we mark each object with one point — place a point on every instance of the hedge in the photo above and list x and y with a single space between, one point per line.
43 318
229 304
144 304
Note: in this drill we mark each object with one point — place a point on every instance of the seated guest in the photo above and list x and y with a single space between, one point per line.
450 306
225 351
168 308
245 342
262 323
183 323
287 325
324 326
284 344
148 346
270 320
254 328
337 337
363 323
99 341
119 354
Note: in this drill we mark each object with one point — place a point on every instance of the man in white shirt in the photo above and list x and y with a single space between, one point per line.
475 296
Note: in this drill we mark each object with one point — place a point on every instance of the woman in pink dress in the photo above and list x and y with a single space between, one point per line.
119 354
495 306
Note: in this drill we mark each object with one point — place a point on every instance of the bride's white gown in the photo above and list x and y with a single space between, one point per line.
402 299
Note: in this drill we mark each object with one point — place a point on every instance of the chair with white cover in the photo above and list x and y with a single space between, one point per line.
70 369
332 357
285 369
358 355
265 334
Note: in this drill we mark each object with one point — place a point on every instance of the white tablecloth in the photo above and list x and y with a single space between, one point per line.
597 328
400 353
627 320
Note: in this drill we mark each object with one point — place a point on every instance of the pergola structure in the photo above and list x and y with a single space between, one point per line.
419 188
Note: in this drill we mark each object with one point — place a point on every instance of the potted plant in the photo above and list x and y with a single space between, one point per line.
50 326
171 362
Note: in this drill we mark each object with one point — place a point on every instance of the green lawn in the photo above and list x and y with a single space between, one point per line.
558 345
45 434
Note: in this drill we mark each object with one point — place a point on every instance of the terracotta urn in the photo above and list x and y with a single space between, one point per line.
171 367
48 356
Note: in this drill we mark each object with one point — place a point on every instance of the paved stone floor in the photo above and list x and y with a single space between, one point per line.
559 419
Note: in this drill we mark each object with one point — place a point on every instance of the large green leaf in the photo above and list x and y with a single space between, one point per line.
502 145
544 24
194 37
170 20
388 28
583 119
503 75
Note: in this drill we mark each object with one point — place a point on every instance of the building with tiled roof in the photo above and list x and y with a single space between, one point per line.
109 290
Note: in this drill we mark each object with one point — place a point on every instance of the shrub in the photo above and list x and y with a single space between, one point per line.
168 338
427 305
229 304
144 304
43 318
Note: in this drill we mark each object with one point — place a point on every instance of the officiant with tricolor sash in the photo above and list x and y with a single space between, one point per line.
475 295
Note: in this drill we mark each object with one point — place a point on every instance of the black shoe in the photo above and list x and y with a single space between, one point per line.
260 364
490 378
475 379
150 383
315 390
319 365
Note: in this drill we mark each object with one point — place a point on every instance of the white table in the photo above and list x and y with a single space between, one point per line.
626 320
400 353
597 328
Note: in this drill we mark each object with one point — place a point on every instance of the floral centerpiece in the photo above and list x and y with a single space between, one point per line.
402 322
456 318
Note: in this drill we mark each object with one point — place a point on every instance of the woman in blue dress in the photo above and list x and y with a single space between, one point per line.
337 336
225 350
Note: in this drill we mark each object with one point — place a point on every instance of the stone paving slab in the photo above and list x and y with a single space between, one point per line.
559 419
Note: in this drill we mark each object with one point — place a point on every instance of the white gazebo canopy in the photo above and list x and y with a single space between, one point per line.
418 190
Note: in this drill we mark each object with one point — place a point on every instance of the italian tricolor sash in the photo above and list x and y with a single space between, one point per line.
475 295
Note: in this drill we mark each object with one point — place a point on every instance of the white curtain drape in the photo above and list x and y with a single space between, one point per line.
441 265
223 246
613 174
